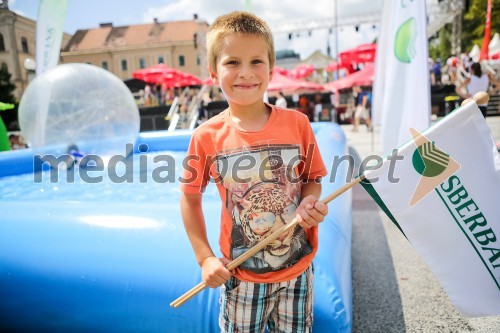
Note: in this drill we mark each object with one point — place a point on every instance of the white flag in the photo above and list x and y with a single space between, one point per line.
401 96
446 202
49 32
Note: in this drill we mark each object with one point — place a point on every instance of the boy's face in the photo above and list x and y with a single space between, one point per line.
243 70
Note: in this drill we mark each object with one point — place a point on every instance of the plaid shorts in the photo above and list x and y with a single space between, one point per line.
282 307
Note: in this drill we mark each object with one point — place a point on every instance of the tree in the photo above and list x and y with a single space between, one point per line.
6 87
440 46
474 22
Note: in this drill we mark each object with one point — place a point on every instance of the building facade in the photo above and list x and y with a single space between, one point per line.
17 45
125 49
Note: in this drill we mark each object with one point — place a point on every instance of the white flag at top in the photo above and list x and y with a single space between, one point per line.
446 202
49 33
401 96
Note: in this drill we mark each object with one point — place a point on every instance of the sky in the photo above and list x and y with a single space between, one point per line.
86 14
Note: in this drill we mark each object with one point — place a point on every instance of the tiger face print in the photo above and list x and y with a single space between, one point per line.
264 209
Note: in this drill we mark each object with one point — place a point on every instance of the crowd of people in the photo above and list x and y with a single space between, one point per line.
316 106
467 76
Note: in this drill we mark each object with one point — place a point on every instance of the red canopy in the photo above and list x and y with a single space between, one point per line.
208 81
283 83
360 54
333 66
363 77
281 70
302 71
166 76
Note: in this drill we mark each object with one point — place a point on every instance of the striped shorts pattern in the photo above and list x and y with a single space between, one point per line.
282 307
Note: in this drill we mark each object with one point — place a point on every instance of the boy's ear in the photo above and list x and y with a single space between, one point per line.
271 71
213 75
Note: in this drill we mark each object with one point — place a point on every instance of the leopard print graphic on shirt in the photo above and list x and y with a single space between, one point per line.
261 206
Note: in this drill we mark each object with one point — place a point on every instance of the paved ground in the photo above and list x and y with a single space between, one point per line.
393 289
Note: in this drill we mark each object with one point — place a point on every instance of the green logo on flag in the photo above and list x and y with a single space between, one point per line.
429 161
432 163
404 44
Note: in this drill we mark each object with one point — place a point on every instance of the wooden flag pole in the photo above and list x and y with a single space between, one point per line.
259 246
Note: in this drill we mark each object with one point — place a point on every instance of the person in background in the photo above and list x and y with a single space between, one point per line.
303 104
478 81
16 142
280 100
452 66
436 70
325 115
361 108
318 106
274 288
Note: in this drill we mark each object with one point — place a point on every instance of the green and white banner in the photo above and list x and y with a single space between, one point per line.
401 95
447 203
49 32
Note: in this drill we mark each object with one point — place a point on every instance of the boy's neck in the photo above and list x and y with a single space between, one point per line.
252 118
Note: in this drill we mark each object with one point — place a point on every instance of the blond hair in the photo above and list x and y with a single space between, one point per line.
237 23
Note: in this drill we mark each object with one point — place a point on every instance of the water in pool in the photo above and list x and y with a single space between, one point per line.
151 181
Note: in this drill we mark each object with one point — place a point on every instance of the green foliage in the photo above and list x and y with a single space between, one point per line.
434 51
440 46
445 42
474 22
6 87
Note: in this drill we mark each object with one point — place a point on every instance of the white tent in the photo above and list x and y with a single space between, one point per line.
474 53
494 46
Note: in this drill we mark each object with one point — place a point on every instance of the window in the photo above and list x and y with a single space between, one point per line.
124 65
105 65
142 63
161 60
24 44
198 61
2 44
181 61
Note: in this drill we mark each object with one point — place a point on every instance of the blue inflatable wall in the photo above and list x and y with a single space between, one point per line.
71 263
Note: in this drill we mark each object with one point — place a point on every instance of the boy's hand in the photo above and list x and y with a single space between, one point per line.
214 271
311 212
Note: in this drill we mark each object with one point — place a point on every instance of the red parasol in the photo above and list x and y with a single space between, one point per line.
208 81
281 70
363 77
283 83
166 76
360 54
302 71
333 66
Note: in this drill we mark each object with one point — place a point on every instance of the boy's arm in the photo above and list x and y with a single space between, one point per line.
311 212
214 272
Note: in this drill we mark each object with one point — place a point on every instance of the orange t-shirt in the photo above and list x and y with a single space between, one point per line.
258 175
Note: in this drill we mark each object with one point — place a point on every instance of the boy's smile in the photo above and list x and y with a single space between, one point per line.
243 70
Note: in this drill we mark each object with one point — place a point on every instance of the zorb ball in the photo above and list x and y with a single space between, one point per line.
82 106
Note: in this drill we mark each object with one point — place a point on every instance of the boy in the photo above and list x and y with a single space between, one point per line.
267 167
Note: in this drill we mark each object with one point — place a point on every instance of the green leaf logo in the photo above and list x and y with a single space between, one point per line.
404 44
433 164
429 161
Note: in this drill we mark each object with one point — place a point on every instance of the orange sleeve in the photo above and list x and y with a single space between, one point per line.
313 166
195 168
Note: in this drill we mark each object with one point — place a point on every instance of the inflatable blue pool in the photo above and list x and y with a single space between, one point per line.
111 254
